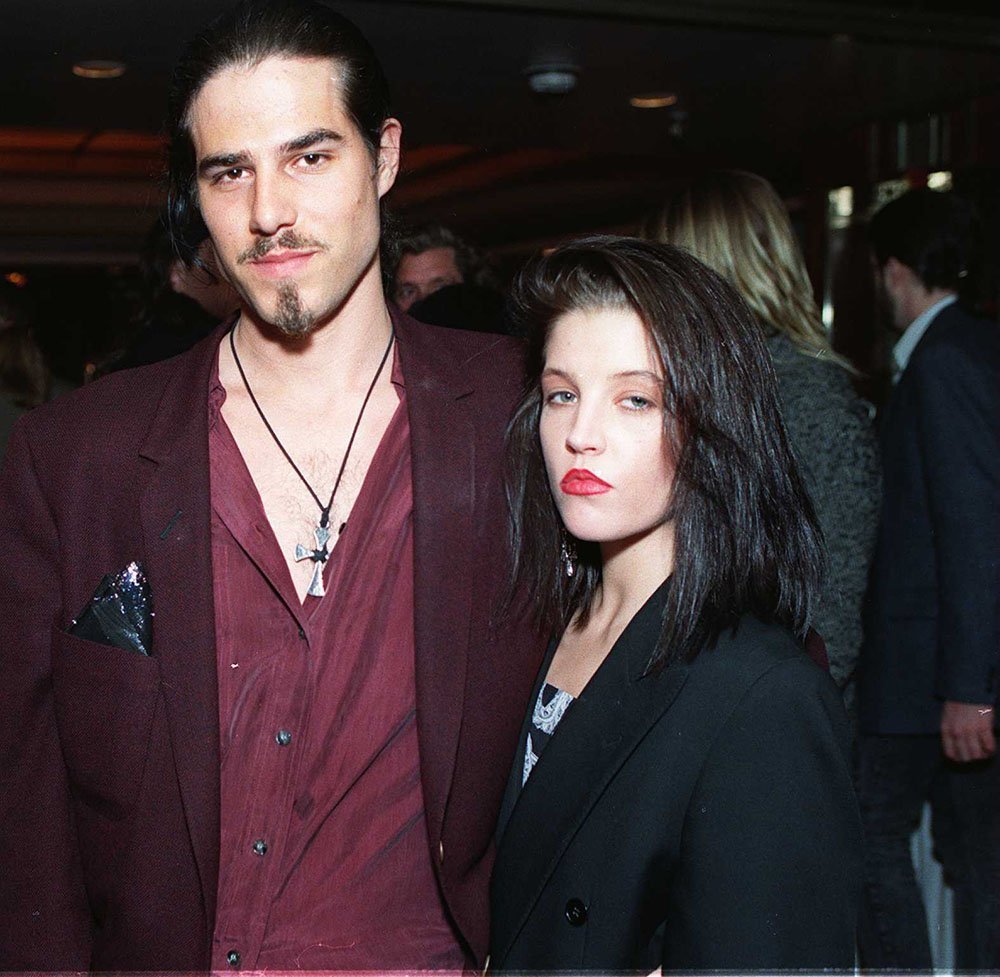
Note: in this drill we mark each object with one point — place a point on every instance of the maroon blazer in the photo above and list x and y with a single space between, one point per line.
109 774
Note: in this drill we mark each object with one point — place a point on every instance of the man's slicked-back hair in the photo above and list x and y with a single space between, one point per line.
746 539
934 233
245 36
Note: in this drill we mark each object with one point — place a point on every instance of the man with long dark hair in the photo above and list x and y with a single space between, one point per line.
276 735
929 677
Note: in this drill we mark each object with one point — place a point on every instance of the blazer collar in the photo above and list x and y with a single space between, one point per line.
596 736
894 413
182 412
430 358
915 331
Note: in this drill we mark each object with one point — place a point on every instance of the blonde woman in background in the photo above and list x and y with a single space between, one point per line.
736 223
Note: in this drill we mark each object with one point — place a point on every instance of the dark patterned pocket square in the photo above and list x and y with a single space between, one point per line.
120 612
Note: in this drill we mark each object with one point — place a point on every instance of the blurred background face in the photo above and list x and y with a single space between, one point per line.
602 427
206 287
889 279
420 275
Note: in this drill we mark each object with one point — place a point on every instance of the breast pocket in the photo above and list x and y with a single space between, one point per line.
105 700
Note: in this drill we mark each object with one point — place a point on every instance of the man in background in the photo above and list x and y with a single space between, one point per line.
928 675
431 258
179 303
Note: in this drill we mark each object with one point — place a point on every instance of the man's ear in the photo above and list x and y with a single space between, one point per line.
388 155
896 277
902 279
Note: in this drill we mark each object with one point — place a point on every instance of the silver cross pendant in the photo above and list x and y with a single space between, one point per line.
319 556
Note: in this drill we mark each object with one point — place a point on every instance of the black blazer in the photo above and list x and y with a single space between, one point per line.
698 817
932 617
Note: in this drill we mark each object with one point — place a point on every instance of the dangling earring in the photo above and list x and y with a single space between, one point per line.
567 553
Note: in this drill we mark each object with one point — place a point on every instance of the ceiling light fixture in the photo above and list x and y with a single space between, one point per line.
552 79
653 100
99 69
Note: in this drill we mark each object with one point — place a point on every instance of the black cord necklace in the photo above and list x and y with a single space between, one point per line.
321 552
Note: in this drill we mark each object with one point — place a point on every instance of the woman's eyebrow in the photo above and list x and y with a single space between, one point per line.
645 374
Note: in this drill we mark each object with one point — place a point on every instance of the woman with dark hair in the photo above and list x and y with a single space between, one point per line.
681 796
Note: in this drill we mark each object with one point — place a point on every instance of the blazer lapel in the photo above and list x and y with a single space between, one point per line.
442 447
596 736
176 522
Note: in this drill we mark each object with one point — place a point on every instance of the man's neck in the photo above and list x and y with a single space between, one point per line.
914 332
338 355
922 299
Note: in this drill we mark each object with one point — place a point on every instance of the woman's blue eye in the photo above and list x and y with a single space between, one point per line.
637 403
559 397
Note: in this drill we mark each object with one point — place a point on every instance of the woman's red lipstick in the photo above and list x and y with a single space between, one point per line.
578 481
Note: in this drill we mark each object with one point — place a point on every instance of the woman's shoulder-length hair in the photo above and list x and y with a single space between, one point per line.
746 538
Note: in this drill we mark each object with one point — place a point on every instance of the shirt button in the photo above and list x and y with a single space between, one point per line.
233 958
441 852
576 912
260 847
302 633
282 737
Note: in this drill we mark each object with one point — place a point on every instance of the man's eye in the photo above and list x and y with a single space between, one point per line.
231 175
312 159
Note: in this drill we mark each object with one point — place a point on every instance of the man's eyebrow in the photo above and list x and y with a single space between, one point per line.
223 161
310 139
243 158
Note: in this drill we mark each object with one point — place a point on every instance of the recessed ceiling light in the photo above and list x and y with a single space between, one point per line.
99 69
653 100
552 79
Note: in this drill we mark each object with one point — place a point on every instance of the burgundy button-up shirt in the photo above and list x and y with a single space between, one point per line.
324 860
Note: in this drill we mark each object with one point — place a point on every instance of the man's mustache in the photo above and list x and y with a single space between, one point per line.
288 240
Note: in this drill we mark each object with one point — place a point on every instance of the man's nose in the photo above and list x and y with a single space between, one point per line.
273 204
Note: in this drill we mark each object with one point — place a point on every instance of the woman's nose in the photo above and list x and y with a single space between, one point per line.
586 433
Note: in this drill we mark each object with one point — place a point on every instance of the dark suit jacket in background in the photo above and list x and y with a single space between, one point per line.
701 817
932 620
109 761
